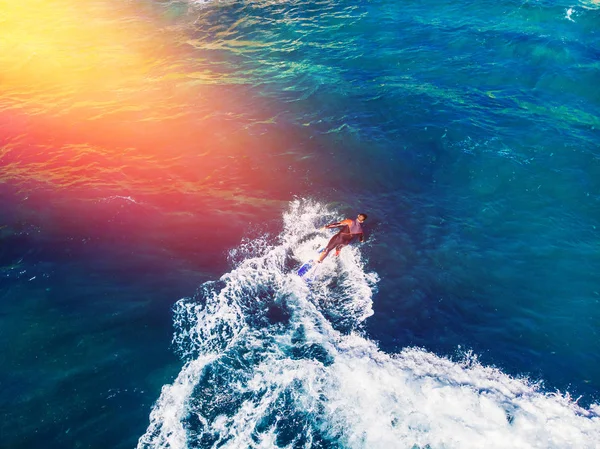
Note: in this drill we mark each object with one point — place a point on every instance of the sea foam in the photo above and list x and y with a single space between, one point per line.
271 361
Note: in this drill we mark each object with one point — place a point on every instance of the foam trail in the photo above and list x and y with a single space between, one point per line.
271 362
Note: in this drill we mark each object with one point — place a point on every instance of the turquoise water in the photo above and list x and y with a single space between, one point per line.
140 309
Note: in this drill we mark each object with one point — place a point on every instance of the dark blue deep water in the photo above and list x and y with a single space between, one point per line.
148 297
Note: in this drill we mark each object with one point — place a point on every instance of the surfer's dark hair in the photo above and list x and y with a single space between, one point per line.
364 215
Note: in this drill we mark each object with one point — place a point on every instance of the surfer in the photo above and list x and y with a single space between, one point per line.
349 230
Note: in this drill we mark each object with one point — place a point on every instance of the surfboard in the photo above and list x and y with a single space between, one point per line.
307 266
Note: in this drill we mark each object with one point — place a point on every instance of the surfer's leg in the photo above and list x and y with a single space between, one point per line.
333 242
339 248
344 240
323 255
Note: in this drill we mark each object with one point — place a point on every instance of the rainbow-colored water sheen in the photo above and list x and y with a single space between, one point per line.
102 99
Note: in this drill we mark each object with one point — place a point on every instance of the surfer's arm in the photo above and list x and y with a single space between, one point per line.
339 224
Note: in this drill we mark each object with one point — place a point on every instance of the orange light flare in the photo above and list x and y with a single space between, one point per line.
112 124
99 97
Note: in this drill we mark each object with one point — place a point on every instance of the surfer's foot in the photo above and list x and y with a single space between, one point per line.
337 253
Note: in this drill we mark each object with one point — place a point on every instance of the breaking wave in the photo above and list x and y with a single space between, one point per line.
271 361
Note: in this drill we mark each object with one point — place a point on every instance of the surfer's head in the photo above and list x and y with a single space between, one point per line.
361 217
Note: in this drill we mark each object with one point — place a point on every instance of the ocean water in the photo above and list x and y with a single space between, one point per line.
166 167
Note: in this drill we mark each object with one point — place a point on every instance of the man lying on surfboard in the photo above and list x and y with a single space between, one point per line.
349 230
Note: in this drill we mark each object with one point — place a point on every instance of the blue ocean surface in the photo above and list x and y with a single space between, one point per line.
149 295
